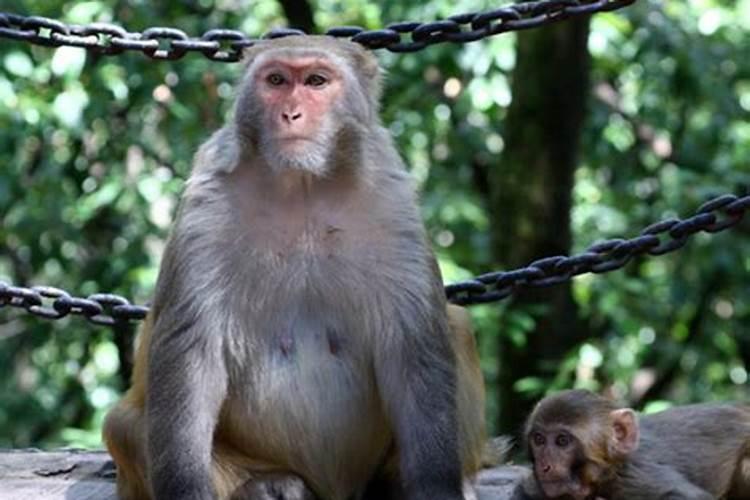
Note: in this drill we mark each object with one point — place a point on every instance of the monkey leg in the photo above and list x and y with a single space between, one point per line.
653 481
471 423
124 435
472 433
236 476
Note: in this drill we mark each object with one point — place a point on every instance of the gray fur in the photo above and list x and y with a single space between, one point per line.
305 310
688 453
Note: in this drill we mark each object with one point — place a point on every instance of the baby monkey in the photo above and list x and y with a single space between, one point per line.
585 447
299 344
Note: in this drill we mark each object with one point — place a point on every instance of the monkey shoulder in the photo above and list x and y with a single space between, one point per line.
219 153
697 419
381 152
689 445
700 425
654 480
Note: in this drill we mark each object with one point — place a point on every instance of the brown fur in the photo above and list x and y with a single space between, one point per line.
695 452
124 431
299 327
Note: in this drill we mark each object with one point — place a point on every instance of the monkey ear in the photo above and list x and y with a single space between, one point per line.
249 54
625 433
368 68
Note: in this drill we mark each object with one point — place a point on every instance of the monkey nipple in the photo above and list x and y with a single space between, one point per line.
286 344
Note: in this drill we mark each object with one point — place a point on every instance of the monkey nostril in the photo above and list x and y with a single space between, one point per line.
291 117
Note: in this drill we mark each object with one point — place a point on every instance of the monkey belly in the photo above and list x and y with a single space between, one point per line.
311 409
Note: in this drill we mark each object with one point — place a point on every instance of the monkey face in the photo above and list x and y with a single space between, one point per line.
577 440
308 104
558 460
297 97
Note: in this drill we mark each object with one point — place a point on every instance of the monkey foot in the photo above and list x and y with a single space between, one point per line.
274 487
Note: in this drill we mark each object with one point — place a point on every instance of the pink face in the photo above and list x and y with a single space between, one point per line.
297 95
555 454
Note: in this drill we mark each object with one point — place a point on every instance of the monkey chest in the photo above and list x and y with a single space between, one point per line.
324 266
307 399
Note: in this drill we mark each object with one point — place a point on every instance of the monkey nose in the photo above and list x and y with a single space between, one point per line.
291 116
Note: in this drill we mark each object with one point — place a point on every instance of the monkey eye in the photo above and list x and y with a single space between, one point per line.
562 440
316 80
538 439
275 79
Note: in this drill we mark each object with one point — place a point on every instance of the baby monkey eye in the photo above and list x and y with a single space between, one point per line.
538 439
275 79
316 80
562 440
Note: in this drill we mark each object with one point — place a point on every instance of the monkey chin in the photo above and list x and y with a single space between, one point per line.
568 488
298 154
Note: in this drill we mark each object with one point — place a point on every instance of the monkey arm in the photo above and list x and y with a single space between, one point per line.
187 387
186 379
527 488
652 481
416 376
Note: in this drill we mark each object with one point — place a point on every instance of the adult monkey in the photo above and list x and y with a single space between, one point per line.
299 325
584 446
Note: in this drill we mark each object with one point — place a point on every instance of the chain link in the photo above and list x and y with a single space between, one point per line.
662 237
716 215
52 303
226 45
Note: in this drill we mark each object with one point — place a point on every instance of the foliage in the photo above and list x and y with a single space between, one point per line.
676 134
95 151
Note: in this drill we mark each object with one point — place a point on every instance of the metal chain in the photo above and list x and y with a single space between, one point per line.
101 308
665 236
662 237
226 45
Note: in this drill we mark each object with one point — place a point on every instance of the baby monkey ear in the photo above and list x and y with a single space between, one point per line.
625 434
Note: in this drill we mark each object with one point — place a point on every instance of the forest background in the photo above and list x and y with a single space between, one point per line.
523 145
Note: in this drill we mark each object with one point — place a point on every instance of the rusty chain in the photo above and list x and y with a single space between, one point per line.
662 237
226 45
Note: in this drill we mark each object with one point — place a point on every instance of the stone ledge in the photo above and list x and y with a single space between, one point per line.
90 475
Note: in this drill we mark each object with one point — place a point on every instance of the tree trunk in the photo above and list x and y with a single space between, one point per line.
530 194
299 14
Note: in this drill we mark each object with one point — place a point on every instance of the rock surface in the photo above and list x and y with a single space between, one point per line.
90 475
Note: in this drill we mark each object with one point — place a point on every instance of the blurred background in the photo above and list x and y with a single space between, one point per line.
524 146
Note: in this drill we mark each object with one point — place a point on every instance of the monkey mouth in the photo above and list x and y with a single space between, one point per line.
295 138
556 488
296 144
